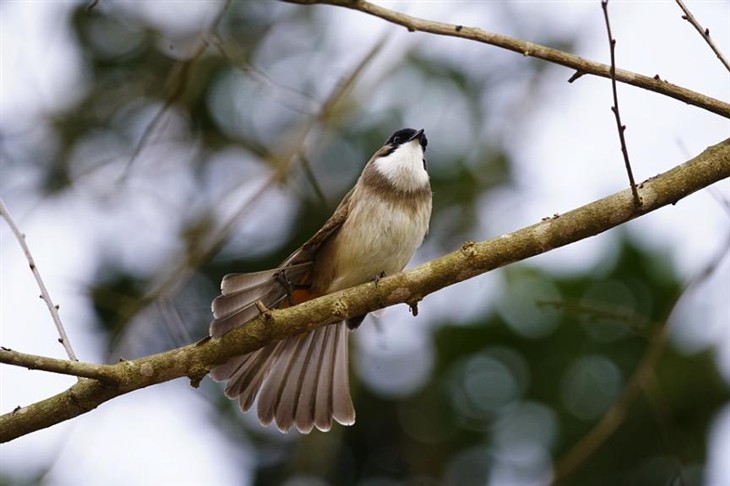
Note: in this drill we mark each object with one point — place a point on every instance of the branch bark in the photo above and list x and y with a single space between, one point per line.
195 360
704 32
529 49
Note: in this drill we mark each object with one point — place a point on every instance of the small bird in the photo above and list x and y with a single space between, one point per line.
303 381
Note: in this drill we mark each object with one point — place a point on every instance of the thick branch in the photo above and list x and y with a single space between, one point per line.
409 287
528 49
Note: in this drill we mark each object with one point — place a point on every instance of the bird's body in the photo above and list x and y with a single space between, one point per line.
303 380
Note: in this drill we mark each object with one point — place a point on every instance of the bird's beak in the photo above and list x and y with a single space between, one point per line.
417 136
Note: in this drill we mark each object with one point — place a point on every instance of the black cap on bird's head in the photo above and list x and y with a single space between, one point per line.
406 135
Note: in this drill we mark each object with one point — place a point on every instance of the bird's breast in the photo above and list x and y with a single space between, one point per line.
379 235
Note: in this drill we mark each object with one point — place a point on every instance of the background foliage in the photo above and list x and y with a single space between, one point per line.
185 156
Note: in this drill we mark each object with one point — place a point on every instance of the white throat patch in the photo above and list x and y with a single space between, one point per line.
404 167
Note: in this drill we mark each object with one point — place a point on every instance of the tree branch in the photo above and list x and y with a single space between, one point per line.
528 49
195 360
105 373
45 295
705 33
616 113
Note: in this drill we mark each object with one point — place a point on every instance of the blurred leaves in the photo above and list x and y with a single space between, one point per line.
511 390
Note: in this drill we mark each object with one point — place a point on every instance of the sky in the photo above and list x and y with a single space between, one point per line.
565 144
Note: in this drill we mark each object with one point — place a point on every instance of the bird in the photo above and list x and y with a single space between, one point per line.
303 381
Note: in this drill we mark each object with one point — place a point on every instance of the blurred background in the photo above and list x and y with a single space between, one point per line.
149 148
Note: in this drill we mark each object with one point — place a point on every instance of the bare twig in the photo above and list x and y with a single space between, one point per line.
640 379
628 318
720 199
529 49
180 75
309 173
52 308
620 126
179 78
474 259
104 373
704 32
175 324
290 98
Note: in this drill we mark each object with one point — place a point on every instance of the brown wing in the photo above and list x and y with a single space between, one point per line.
303 380
240 292
308 250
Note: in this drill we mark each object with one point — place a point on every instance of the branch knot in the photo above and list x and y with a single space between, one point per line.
339 309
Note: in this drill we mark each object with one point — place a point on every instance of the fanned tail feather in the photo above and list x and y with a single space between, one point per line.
309 384
301 381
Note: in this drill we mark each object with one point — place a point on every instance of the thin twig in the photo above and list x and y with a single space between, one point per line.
103 373
309 173
628 318
720 199
179 78
181 75
529 49
290 98
620 126
175 324
52 308
704 32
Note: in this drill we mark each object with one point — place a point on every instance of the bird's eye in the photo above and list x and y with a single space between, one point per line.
396 140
